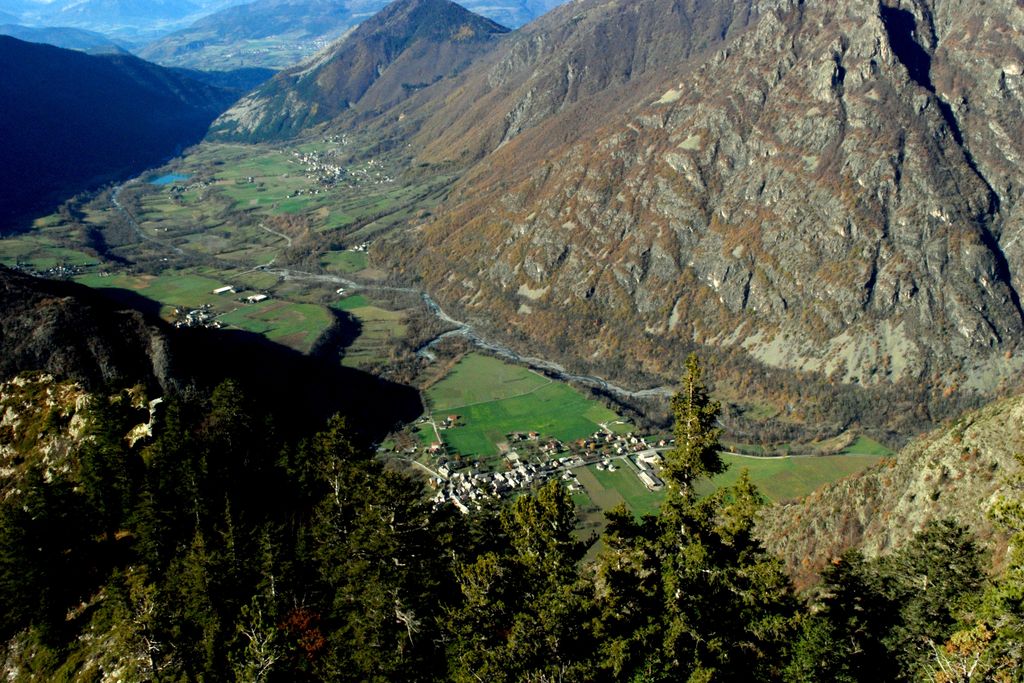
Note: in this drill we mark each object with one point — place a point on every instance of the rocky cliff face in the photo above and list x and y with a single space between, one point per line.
830 187
957 473
72 334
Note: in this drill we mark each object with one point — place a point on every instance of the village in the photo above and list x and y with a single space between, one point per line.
321 169
529 460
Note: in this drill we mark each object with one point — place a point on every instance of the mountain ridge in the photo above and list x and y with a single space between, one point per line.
409 45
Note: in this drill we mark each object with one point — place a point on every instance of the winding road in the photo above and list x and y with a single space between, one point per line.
132 222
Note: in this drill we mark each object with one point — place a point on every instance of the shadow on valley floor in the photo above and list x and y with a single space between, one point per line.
109 338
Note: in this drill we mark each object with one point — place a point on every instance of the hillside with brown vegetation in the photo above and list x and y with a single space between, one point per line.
957 472
829 210
815 194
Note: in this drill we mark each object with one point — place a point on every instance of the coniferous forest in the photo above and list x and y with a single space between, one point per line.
223 549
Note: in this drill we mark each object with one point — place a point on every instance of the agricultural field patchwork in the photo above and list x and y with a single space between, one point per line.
41 250
379 330
493 398
294 324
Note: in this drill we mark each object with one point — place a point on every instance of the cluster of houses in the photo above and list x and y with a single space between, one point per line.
196 317
58 272
468 489
323 170
178 189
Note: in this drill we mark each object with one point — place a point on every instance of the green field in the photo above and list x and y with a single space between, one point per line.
291 324
478 379
778 479
178 288
608 489
37 252
343 262
494 398
351 303
782 479
863 445
380 328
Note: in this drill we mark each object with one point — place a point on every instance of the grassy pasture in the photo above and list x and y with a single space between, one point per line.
778 479
171 289
343 262
478 379
292 324
379 328
351 303
37 252
608 489
781 479
494 398
864 445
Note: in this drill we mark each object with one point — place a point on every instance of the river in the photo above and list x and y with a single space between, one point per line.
467 331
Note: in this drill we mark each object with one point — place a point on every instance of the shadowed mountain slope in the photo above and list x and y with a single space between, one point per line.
111 339
73 120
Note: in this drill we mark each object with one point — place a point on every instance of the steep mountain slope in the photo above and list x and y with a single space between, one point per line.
72 120
408 46
835 188
956 472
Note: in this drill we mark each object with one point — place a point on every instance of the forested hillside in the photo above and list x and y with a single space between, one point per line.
220 549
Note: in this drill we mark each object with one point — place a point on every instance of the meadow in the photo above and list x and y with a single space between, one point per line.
777 479
493 398
379 329
292 324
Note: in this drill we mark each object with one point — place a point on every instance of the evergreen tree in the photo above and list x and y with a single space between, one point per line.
696 451
692 595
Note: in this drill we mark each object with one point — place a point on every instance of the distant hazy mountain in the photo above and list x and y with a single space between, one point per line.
66 37
132 21
280 33
295 28
71 120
